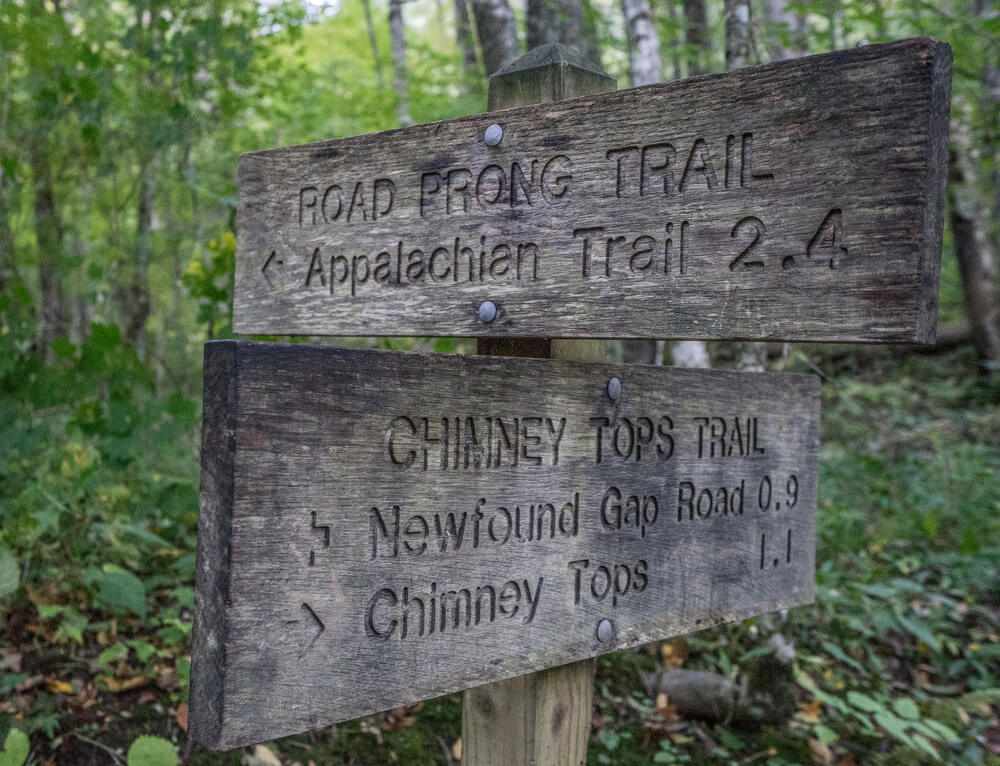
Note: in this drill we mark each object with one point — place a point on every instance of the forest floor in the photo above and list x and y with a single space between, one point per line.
897 662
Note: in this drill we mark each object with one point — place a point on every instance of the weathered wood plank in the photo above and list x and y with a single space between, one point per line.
532 720
801 200
500 522
548 711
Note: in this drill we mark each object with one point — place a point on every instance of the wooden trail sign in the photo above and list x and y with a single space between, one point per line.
799 201
379 528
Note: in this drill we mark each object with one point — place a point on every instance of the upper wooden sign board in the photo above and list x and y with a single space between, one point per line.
801 200
379 528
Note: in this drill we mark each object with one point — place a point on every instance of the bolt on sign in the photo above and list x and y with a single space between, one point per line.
796 201
378 528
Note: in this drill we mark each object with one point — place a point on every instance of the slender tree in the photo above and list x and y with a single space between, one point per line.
672 47
463 35
694 353
557 21
782 22
696 36
737 34
497 30
373 43
644 69
833 11
53 319
136 301
973 246
645 65
750 356
400 70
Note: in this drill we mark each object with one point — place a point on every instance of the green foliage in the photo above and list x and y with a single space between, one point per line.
119 589
152 751
99 436
15 749
10 572
211 285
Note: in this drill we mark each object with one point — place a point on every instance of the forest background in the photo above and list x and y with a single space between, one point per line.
120 127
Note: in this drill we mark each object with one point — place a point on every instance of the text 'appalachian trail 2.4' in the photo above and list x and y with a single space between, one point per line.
798 201
379 528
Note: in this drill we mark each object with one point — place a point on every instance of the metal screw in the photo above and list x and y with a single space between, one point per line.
487 311
493 135
614 389
605 631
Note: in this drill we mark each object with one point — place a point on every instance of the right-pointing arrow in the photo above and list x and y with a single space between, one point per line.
319 623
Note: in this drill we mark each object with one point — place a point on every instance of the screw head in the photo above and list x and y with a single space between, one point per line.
487 311
494 133
614 389
605 631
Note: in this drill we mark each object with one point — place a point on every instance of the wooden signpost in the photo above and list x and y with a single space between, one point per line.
379 528
798 201
402 526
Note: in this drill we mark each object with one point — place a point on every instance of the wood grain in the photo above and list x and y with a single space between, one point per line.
530 720
802 200
301 584
548 711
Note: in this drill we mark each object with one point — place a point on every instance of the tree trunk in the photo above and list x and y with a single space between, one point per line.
463 35
53 321
373 42
833 18
591 34
973 248
672 46
737 34
696 34
751 357
693 353
497 30
690 353
644 43
780 22
400 72
557 21
645 68
136 306
6 234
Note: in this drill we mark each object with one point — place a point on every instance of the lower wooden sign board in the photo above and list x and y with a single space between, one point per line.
379 528
802 200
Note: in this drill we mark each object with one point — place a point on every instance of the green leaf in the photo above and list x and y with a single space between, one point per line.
919 631
895 726
15 748
10 573
112 653
906 708
941 730
609 738
48 611
920 741
825 734
122 589
143 651
839 654
152 751
864 702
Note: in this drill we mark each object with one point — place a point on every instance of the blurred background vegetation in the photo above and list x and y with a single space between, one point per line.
120 127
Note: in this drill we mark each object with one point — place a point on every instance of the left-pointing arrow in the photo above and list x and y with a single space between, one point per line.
272 261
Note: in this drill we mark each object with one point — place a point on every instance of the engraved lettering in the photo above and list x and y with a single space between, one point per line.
758 227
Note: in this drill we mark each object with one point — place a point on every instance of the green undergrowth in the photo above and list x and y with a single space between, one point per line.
897 661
